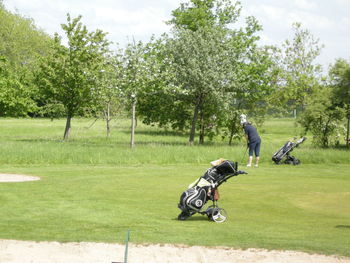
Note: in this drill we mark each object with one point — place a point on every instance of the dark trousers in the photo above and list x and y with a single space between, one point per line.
254 147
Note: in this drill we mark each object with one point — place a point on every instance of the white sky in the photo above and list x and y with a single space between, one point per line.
329 21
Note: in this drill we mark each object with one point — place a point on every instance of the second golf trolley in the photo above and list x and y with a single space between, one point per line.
205 188
282 156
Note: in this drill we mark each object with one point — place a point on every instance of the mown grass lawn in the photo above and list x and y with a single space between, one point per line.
94 189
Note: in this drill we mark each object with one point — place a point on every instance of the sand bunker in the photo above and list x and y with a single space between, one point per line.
12 251
12 178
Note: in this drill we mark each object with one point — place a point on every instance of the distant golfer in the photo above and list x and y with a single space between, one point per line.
253 140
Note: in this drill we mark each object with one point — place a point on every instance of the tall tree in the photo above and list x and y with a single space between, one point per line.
71 74
321 117
206 66
249 79
111 92
135 75
340 82
215 63
299 74
199 54
156 101
21 44
200 64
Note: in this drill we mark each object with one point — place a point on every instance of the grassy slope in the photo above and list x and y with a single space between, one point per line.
93 189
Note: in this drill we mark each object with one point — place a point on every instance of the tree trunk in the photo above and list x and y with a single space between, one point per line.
68 127
201 134
233 127
133 122
231 132
347 132
193 127
107 115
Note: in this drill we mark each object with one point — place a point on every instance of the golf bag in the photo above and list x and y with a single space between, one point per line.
283 154
206 188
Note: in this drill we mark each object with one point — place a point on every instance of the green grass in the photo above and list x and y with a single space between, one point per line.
95 189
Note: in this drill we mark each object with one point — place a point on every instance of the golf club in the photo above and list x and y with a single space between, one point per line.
244 155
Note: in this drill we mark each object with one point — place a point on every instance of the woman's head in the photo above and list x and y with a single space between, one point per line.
243 119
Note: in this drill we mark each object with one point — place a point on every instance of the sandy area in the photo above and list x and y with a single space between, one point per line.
13 178
12 251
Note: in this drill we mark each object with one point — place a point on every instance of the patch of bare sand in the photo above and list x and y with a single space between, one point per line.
12 251
13 178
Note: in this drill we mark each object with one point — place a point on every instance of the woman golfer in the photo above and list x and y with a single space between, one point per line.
253 141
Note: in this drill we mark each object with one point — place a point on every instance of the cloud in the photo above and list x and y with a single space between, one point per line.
274 13
139 24
341 2
310 20
305 4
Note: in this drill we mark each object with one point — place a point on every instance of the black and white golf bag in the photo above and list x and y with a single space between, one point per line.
206 188
283 154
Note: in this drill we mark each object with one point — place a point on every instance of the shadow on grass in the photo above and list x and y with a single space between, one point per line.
41 140
342 226
103 142
169 133
193 218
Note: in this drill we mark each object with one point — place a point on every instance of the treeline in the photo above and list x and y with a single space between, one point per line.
198 78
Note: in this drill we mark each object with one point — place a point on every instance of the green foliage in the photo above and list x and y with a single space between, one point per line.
216 71
321 118
15 98
111 96
298 75
70 75
340 82
199 65
328 106
250 79
197 14
21 44
135 70
200 61
158 101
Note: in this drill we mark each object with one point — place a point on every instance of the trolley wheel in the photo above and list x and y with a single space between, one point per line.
219 215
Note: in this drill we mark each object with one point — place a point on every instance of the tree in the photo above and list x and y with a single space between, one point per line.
200 62
155 100
21 44
200 58
111 93
70 75
340 83
206 66
134 80
298 74
250 80
221 69
321 117
15 98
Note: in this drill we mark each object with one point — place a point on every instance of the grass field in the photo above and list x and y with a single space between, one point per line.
95 189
